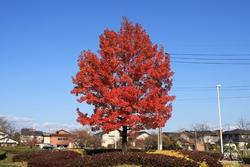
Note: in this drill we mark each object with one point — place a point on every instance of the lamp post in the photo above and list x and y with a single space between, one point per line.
218 98
159 138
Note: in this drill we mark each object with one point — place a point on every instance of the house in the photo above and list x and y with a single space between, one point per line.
60 138
46 138
239 137
29 135
138 138
110 139
142 135
184 139
211 137
194 140
5 141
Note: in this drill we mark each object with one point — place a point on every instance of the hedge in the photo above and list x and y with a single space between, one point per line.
28 155
20 149
52 158
100 151
246 160
2 154
130 158
211 159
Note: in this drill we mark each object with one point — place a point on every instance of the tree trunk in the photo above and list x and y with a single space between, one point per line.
124 138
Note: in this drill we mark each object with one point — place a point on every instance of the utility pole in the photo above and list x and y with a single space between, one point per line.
159 138
218 98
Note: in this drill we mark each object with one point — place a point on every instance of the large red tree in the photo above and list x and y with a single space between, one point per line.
127 82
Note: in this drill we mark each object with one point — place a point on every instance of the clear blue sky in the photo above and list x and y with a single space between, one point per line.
41 40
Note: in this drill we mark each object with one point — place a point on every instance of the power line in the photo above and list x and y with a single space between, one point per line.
230 97
205 58
202 87
210 54
206 90
199 58
199 62
210 88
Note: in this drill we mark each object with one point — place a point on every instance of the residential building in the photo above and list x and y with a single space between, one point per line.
5 141
46 138
194 140
184 139
239 137
142 135
29 135
110 139
138 138
61 138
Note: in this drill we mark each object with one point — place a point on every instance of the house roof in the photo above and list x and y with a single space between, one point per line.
7 140
2 133
64 134
31 132
237 132
62 130
143 132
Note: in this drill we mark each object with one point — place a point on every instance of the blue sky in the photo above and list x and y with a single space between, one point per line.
41 40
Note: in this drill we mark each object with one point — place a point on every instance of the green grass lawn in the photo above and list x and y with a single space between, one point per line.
7 162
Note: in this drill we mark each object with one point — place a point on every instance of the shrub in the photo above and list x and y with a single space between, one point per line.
246 156
2 154
78 150
52 159
168 153
27 155
246 160
20 149
100 151
211 159
131 158
177 154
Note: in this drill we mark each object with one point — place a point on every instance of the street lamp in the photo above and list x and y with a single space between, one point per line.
218 98
159 138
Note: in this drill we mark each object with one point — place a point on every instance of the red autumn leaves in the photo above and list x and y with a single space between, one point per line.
127 82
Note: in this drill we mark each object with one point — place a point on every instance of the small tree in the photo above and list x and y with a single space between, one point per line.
128 82
243 124
200 130
4 125
83 139
7 127
167 142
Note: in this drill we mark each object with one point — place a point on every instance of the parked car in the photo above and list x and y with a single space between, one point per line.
48 147
60 148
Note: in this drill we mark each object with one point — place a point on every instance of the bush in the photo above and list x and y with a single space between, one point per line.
100 151
211 159
131 158
27 155
2 154
246 160
20 149
52 159
78 150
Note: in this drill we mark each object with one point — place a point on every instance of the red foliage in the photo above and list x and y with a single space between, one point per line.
128 82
